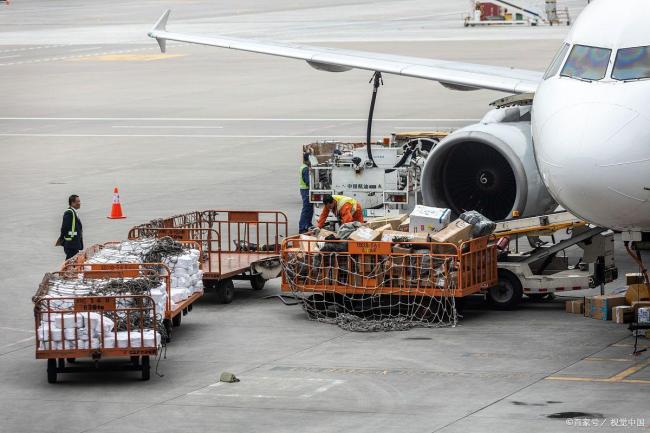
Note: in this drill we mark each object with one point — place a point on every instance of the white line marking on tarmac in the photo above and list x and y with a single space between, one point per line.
166 126
84 49
13 50
24 340
323 136
238 119
9 57
17 329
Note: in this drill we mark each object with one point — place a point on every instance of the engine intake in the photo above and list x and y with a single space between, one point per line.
488 167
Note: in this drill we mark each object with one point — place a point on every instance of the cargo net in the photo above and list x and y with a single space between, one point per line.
365 293
58 293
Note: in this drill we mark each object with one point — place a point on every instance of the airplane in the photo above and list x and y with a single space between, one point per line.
577 135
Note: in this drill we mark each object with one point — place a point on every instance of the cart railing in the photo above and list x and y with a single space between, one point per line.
260 232
423 269
239 231
207 239
94 326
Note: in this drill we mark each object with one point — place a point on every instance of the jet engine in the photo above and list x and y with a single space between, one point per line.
488 167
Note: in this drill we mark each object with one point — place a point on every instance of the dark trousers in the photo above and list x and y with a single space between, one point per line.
70 252
307 212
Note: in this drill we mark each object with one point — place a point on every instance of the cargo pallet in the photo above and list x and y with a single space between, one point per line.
172 314
236 245
135 355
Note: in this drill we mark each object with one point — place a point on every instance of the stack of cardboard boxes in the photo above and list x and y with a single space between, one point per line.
404 233
619 308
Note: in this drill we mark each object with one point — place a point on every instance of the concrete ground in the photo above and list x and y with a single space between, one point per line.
89 103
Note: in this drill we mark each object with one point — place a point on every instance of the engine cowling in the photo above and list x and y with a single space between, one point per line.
488 167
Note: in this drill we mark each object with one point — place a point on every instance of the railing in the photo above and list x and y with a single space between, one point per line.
424 269
95 326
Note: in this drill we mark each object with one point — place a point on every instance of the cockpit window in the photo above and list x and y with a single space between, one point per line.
632 64
557 62
587 63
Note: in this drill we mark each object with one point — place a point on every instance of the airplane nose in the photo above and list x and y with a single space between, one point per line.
595 159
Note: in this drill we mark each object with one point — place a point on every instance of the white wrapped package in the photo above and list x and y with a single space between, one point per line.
109 341
74 321
179 294
96 321
151 338
182 281
159 296
123 339
75 334
48 332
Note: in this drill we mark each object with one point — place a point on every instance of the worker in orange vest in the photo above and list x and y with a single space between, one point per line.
345 209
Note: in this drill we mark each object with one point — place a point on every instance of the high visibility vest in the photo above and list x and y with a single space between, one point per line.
301 181
342 200
73 232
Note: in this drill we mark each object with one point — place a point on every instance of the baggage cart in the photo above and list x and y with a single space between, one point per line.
236 245
423 269
69 328
172 316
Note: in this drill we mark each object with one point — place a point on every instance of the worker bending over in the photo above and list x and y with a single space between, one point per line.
345 209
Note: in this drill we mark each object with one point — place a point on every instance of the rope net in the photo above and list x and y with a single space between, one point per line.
133 311
374 292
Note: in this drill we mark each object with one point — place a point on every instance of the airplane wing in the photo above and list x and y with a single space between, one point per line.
454 75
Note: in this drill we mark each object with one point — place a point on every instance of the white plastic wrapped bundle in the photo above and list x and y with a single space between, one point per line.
179 294
159 296
48 332
96 322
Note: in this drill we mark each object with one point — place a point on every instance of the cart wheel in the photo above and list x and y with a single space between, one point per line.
168 329
51 370
61 362
258 282
176 320
508 292
146 369
225 291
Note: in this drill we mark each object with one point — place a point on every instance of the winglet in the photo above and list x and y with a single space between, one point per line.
160 26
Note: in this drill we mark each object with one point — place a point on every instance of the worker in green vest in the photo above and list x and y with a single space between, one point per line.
307 212
71 237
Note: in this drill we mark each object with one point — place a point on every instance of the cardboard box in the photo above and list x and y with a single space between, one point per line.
390 235
587 312
643 316
312 247
602 306
404 226
575 306
633 278
322 234
428 219
384 228
365 234
636 305
637 292
394 221
623 314
455 233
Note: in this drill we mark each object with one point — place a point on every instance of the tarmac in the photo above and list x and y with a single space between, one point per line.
89 103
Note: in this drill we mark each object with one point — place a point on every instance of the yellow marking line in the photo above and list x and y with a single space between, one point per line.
617 378
128 57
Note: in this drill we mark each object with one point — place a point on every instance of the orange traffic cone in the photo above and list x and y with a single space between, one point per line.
116 209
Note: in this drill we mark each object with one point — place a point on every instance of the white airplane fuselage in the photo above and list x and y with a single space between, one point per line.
592 136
